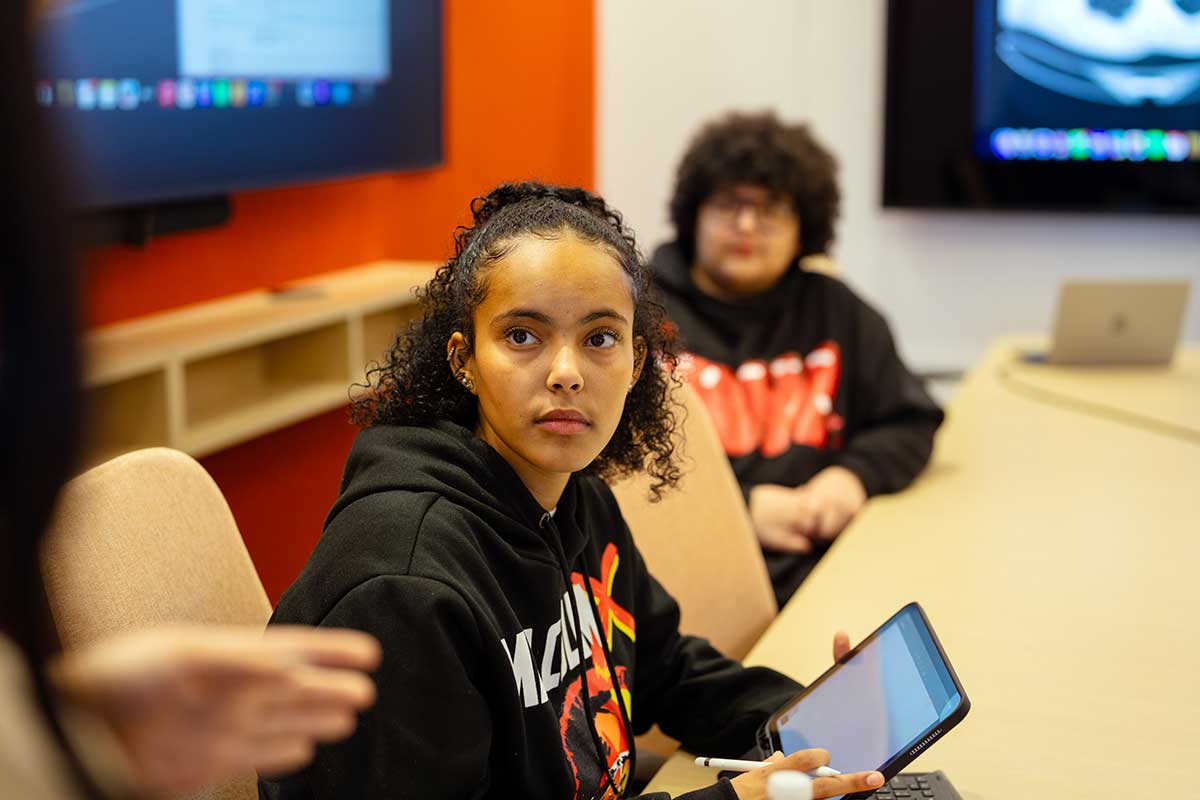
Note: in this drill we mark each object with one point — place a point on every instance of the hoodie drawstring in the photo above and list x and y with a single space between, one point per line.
547 521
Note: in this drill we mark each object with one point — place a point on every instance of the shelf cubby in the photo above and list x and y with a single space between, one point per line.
212 375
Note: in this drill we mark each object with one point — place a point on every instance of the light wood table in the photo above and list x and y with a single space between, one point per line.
1057 554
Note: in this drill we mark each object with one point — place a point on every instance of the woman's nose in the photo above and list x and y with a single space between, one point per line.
564 372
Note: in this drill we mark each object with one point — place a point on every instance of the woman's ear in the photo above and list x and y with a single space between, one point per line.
458 356
639 360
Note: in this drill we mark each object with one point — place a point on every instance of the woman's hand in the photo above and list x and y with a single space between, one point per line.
196 706
841 645
752 785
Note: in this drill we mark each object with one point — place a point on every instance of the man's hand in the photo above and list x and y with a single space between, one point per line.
791 519
780 515
830 500
752 785
196 706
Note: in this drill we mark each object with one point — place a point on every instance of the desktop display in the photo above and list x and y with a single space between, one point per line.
1068 105
174 99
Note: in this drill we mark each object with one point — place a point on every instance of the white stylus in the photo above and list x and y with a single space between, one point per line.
738 765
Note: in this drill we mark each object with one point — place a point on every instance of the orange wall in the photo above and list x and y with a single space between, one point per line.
519 90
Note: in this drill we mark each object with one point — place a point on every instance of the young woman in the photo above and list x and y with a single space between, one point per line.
525 644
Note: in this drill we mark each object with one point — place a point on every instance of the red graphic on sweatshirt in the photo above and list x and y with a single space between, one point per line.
602 703
770 406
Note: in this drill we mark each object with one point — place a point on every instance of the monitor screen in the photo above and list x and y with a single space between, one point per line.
1054 104
174 99
1088 81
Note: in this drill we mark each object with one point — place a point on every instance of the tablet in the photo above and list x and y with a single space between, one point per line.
880 705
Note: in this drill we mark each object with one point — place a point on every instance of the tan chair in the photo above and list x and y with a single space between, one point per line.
700 544
147 539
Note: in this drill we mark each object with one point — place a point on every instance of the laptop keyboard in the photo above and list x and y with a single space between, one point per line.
917 786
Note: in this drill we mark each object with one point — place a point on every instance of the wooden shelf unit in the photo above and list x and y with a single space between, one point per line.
214 374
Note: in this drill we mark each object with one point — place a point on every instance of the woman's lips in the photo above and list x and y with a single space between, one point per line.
564 421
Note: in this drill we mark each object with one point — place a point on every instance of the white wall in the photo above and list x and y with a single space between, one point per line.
949 281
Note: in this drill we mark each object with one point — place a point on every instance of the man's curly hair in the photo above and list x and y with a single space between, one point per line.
414 385
761 150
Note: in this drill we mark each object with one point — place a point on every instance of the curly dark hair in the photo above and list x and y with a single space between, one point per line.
414 386
761 150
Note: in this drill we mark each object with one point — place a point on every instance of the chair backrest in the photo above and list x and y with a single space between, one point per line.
143 540
699 541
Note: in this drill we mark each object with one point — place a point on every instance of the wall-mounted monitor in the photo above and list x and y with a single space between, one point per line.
166 100
1044 104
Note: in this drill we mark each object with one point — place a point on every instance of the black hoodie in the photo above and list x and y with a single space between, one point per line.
436 547
797 379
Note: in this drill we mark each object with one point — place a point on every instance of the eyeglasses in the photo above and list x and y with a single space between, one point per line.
772 216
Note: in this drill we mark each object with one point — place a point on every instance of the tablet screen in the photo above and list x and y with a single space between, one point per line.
879 703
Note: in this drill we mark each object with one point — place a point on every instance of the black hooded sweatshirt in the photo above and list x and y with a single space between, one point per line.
486 688
797 379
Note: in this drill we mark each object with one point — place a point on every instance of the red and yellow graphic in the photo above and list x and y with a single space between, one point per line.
770 406
602 704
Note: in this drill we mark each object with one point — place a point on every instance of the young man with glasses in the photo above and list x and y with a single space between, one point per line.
801 377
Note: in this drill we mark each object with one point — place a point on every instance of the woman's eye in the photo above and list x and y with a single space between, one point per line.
602 339
520 336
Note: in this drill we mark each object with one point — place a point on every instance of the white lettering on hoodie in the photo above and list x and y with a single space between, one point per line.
561 640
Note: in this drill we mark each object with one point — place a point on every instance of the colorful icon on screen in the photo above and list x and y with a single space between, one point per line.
106 95
304 94
220 94
1137 145
1079 145
321 92
87 94
256 94
1096 144
204 95
1156 146
44 92
1175 146
237 94
129 94
343 94
65 92
274 93
166 94
185 94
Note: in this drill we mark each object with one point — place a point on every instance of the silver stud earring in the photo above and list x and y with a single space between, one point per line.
466 381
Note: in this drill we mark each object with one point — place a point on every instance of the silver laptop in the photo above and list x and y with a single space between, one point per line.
1118 322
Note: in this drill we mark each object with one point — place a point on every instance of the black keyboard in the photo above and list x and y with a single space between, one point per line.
917 786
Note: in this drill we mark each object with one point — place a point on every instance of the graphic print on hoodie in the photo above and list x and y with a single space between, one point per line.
435 547
601 708
771 406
